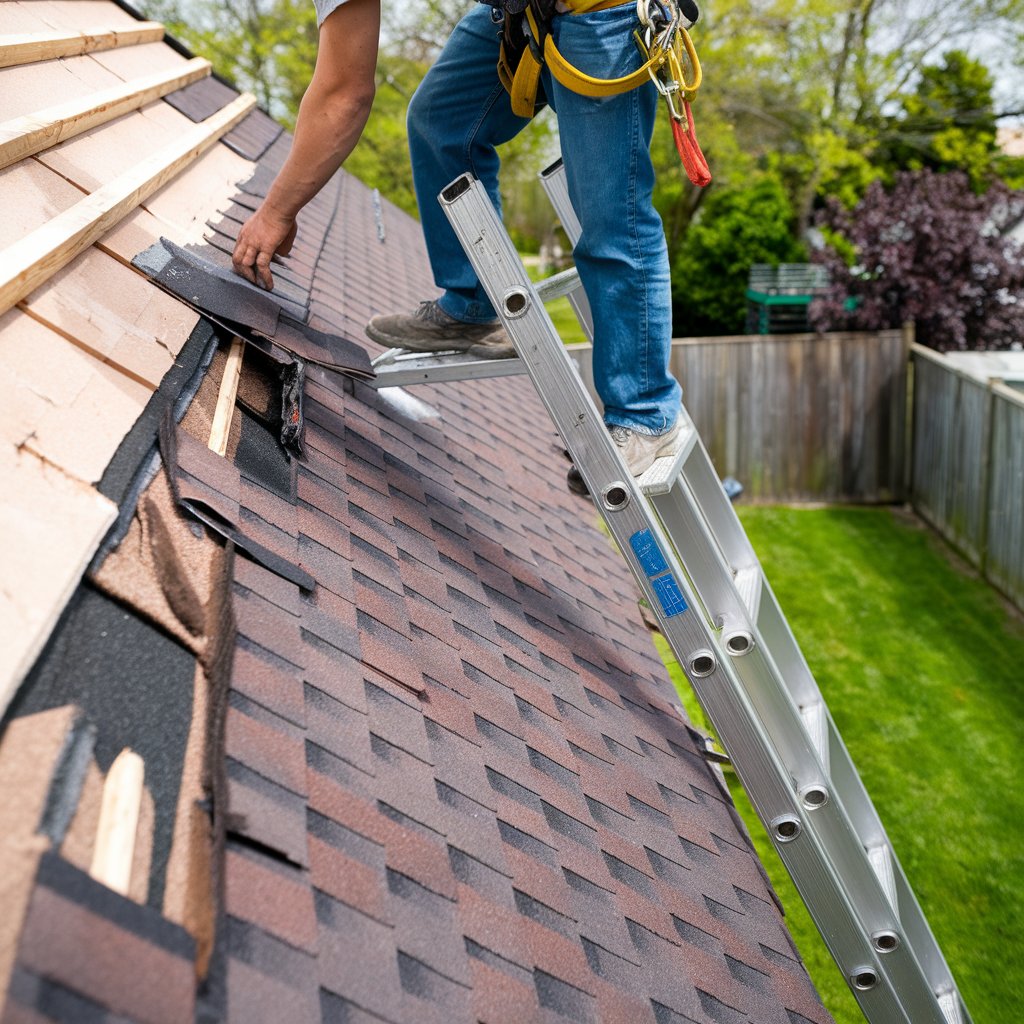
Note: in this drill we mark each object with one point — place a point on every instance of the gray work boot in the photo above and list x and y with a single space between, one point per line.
429 329
640 450
637 450
497 345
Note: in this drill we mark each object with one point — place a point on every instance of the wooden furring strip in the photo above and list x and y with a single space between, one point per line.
226 398
29 47
22 136
114 851
27 264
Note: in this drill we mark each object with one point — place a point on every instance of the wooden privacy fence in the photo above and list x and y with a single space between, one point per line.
968 467
805 417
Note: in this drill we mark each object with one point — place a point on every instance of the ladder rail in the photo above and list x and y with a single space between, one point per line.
767 778
806 757
773 633
553 180
799 777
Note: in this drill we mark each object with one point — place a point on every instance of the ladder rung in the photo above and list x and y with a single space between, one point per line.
816 723
881 861
748 584
949 1004
558 285
662 475
398 367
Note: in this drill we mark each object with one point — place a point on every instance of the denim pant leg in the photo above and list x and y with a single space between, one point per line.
457 117
621 256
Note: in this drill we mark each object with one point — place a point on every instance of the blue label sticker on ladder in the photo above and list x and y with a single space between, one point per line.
669 595
648 554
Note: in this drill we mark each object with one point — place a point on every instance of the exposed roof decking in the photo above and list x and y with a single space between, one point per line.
86 345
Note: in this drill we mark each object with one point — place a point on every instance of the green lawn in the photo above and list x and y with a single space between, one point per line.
922 666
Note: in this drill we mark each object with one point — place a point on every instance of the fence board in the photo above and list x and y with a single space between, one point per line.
1004 564
951 424
806 417
801 417
968 469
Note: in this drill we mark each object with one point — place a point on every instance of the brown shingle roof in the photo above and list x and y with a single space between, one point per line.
455 784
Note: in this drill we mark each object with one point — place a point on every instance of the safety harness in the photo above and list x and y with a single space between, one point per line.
663 41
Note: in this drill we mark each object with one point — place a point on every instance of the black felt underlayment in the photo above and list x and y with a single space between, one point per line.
135 685
201 99
261 458
222 294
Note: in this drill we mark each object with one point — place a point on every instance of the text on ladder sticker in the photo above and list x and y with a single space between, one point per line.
652 561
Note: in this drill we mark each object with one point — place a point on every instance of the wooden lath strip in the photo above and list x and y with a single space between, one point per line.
29 47
224 411
118 827
22 136
27 264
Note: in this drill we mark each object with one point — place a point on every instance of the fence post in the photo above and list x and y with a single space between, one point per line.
908 334
986 475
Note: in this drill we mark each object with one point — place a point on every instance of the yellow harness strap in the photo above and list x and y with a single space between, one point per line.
525 80
526 77
579 81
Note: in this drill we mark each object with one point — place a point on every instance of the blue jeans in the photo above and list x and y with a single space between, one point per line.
461 112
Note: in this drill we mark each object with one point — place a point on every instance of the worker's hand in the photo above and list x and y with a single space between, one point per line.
264 235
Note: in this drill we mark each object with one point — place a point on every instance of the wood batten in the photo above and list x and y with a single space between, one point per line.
23 136
35 46
226 398
118 826
30 262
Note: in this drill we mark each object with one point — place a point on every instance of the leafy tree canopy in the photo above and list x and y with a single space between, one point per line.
928 249
737 227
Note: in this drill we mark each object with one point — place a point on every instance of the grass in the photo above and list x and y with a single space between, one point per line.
921 665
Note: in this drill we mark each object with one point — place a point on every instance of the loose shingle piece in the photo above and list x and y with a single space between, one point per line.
406 751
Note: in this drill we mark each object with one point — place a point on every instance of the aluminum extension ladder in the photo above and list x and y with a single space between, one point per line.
687 549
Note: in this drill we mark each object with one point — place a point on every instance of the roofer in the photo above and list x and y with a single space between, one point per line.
458 116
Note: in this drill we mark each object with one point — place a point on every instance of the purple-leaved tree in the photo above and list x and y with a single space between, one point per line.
931 250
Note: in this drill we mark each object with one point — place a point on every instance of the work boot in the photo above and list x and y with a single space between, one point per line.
637 450
430 329
497 345
640 450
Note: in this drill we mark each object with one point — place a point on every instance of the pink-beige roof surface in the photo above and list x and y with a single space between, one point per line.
456 784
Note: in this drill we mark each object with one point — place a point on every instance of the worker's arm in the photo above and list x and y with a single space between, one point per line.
331 118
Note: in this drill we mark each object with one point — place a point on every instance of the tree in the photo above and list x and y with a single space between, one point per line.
265 46
737 226
948 123
927 249
811 83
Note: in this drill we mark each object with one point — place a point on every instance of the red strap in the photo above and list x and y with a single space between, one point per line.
697 169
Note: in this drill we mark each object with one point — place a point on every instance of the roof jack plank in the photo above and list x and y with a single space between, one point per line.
28 263
23 136
30 47
38 575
